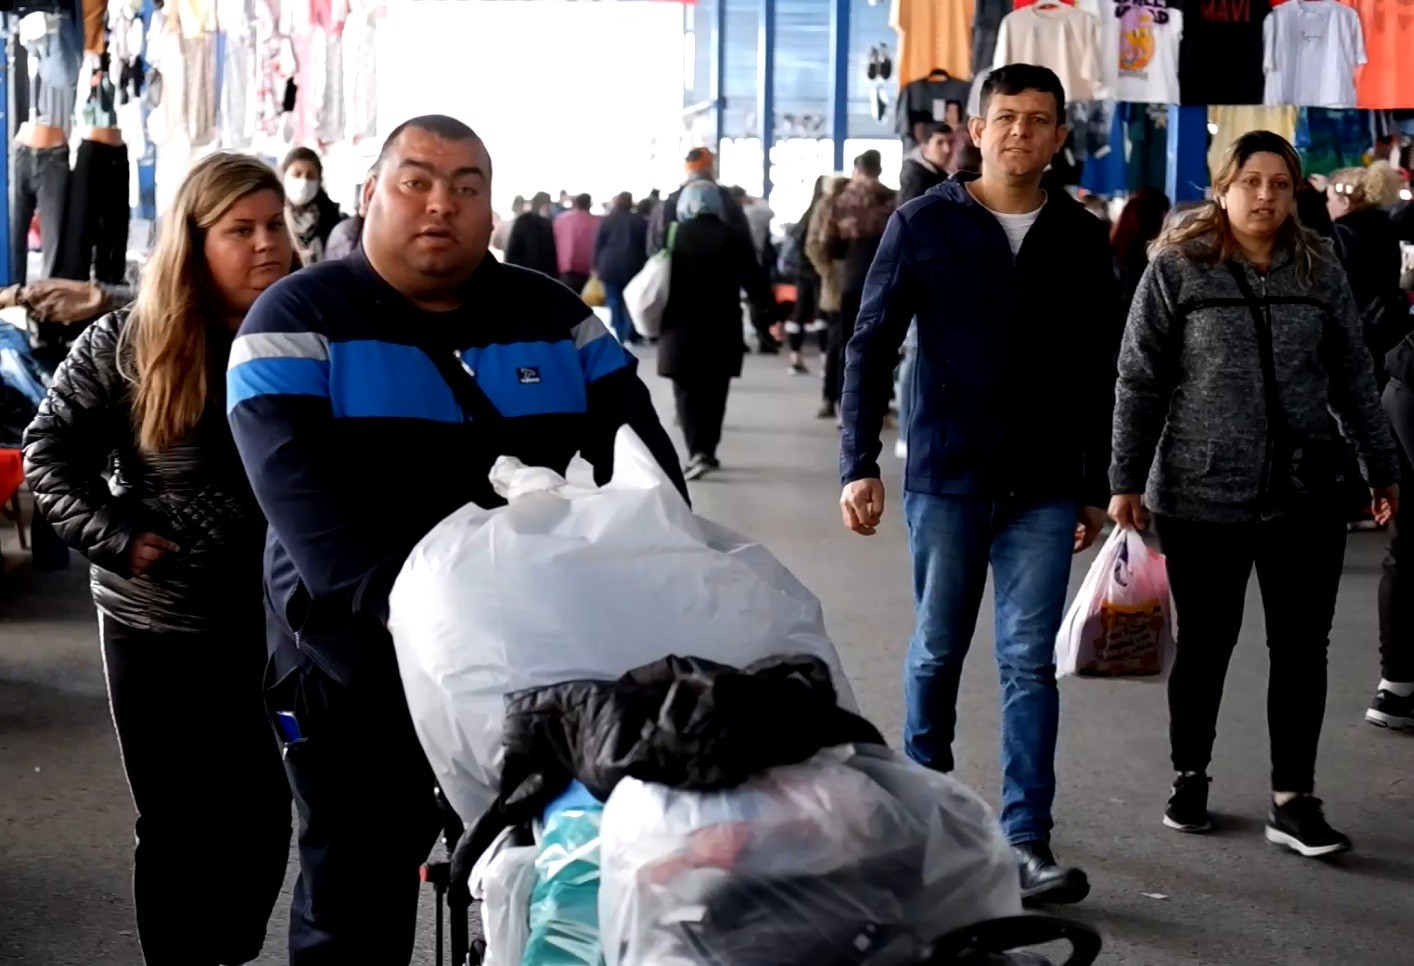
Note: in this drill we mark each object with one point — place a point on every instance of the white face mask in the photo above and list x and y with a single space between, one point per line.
300 191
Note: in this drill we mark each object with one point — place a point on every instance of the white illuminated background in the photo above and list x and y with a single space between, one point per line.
574 95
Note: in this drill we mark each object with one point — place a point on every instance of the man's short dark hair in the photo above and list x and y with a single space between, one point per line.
871 163
438 125
737 192
1016 79
583 202
933 129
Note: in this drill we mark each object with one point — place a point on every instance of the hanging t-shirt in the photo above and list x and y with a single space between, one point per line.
1140 43
1220 58
933 34
925 101
1387 81
987 17
1311 49
1057 36
1229 122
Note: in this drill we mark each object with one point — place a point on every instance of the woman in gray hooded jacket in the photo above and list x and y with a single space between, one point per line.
1242 340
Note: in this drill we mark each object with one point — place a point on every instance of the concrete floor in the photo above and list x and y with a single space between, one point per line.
1160 899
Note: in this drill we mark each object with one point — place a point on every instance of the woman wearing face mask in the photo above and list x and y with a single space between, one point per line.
1242 338
310 211
176 538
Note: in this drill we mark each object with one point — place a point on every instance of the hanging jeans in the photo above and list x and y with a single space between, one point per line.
1028 545
1298 559
213 807
41 180
702 407
96 226
1397 582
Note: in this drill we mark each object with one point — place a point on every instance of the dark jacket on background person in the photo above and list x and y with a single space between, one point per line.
620 247
702 330
1198 448
333 366
194 494
855 227
532 245
666 215
684 722
918 176
1368 247
1012 383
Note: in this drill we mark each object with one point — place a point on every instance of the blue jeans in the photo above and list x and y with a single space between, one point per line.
953 539
619 319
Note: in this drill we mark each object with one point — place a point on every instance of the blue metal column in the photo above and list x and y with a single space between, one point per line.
7 117
147 161
1186 178
766 88
719 76
839 81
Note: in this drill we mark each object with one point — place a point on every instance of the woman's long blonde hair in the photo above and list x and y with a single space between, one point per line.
1205 234
1374 187
162 349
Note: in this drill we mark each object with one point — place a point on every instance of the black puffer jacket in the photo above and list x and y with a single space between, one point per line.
96 488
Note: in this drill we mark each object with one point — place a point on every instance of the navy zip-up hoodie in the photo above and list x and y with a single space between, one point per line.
356 444
1013 381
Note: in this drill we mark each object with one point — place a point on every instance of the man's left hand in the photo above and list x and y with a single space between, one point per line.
1087 529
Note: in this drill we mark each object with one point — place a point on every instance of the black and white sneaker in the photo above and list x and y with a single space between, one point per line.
1301 826
1389 710
1187 809
697 467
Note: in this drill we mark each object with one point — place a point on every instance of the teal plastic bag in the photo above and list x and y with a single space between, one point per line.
564 906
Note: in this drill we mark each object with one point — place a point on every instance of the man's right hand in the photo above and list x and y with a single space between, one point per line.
146 549
1127 510
862 505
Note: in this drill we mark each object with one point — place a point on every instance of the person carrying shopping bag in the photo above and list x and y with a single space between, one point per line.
1242 339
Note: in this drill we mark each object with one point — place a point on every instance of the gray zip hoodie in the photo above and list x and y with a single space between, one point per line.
1190 424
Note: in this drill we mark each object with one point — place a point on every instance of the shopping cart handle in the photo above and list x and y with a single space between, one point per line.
995 936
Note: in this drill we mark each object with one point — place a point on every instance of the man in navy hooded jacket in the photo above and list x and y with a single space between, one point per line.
1008 440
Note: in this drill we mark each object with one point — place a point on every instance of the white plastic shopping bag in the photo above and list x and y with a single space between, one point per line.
503 879
1121 623
646 294
799 865
573 582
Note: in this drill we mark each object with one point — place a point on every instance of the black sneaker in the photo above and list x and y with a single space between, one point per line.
798 369
1046 882
1389 710
696 468
827 411
1187 810
1301 826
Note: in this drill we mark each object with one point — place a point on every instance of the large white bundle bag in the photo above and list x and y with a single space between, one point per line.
570 582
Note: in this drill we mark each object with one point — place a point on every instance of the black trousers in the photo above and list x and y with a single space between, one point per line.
702 406
367 813
1298 559
96 225
841 330
1397 581
574 281
807 311
41 181
213 808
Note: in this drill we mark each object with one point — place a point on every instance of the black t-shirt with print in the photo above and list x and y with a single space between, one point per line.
1220 57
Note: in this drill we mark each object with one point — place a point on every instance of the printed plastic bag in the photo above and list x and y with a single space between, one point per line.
569 583
1121 623
503 880
829 861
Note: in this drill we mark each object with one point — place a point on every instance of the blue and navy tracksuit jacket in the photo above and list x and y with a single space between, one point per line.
357 445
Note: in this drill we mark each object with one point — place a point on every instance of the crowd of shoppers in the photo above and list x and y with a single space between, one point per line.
1186 383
